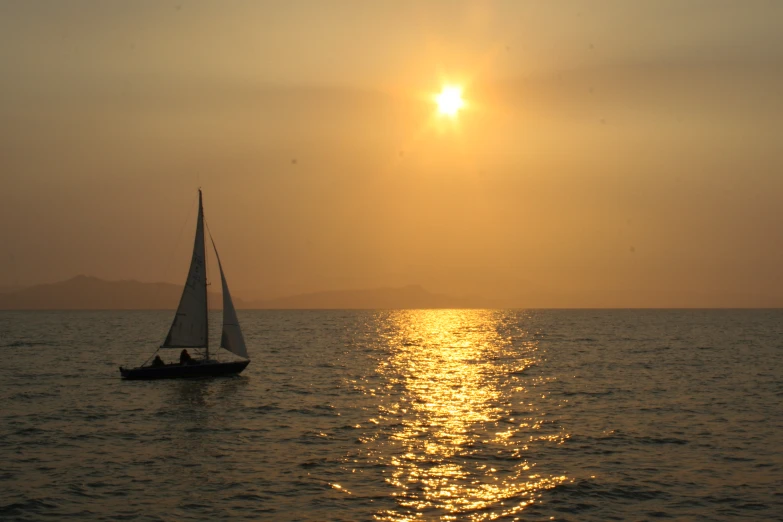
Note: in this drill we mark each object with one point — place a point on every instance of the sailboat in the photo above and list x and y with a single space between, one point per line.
190 327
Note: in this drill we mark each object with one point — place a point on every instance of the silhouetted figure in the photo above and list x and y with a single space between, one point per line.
158 362
185 358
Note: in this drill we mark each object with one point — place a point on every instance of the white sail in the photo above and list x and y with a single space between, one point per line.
189 328
231 339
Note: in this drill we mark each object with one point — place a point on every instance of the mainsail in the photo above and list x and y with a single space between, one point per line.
189 328
231 339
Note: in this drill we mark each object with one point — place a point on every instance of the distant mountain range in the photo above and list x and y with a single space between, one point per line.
92 293
412 296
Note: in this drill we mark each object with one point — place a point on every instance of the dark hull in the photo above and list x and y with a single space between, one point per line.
184 371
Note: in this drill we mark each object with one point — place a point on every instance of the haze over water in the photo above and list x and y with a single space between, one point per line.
400 415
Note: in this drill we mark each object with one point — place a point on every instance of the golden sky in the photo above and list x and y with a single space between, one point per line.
610 153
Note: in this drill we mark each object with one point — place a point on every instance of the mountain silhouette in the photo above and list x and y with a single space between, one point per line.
91 293
411 296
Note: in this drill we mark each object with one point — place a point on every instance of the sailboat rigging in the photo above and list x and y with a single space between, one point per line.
190 326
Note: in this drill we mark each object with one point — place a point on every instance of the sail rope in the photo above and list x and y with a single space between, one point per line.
151 357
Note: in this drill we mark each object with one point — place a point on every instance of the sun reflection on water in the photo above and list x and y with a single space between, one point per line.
460 417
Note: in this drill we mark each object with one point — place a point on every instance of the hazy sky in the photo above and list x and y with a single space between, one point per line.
610 154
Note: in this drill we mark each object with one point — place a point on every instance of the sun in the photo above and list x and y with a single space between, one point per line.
450 100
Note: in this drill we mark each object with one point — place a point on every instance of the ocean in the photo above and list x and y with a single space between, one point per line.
399 415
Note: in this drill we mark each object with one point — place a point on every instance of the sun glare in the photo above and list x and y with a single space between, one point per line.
450 100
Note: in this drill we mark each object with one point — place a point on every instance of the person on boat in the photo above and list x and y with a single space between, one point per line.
184 357
157 362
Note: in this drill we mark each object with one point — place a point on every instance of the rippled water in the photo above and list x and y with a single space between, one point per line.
400 415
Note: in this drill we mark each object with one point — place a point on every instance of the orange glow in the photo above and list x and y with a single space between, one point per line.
467 147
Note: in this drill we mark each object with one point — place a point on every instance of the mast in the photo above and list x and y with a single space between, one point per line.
206 280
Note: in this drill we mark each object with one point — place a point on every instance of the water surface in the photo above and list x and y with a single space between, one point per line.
399 415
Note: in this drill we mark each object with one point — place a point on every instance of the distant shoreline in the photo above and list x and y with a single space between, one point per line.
92 293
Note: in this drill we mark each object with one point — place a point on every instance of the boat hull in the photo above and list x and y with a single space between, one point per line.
184 371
